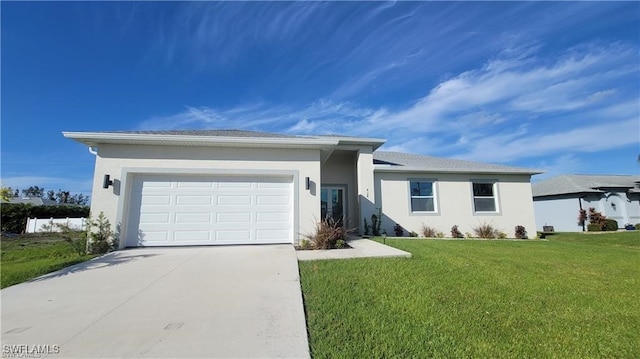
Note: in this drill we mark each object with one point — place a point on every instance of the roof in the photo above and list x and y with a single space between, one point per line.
229 138
568 184
34 201
406 162
209 133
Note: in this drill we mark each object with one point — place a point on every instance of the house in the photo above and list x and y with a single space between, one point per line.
34 201
197 187
558 200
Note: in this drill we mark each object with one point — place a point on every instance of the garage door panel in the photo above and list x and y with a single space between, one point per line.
270 217
234 200
190 235
182 210
182 200
154 218
271 200
230 217
269 234
194 184
234 185
156 200
193 217
233 235
154 236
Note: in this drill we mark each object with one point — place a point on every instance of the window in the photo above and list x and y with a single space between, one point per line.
423 198
484 199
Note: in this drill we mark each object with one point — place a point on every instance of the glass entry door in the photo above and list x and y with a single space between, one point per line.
332 203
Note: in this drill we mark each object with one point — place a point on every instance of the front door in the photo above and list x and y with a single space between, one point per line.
332 203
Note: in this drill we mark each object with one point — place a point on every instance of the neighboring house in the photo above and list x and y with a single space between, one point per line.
240 187
34 201
558 200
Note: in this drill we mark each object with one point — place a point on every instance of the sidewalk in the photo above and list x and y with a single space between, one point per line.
360 248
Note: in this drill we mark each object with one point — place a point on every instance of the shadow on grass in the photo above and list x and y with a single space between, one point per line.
107 260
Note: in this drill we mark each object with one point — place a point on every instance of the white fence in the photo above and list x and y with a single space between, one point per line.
48 224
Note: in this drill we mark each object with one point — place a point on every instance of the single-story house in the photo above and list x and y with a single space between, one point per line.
200 187
558 200
34 201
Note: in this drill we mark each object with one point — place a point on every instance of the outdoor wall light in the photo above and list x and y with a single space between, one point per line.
307 183
107 181
613 205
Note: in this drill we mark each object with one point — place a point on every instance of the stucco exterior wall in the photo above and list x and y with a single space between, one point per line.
561 213
455 202
122 162
338 170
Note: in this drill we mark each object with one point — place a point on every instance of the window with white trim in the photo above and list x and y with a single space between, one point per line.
422 194
484 197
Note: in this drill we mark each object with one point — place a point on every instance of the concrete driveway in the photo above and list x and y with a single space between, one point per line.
208 302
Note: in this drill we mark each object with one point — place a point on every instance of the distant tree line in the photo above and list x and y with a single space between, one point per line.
61 197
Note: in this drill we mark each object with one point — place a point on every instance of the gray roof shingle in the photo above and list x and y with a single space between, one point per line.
566 184
415 162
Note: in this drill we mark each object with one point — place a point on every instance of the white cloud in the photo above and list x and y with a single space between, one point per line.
519 105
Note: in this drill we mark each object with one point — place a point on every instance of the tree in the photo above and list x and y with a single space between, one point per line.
66 197
33 191
6 193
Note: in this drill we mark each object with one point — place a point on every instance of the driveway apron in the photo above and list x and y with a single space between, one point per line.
182 302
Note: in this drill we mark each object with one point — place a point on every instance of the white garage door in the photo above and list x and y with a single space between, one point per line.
176 211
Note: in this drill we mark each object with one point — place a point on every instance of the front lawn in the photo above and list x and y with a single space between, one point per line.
573 296
28 256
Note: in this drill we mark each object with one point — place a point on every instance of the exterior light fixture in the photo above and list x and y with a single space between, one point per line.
107 181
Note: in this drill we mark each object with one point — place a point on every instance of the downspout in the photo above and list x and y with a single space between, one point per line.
93 150
580 203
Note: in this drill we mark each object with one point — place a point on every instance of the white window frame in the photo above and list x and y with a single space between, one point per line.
434 191
494 190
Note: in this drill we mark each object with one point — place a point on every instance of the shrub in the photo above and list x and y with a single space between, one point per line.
376 223
440 235
340 243
99 235
485 230
429 232
521 232
468 235
610 225
596 217
582 217
593 227
455 232
327 233
502 235
14 217
366 227
413 234
305 244
399 231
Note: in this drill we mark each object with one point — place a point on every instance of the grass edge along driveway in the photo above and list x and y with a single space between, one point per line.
573 296
28 256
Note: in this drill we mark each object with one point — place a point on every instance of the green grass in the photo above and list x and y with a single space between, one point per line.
573 296
28 256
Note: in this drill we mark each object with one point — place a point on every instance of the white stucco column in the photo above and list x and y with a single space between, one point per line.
366 190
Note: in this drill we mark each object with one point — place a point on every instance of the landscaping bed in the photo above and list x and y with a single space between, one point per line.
572 296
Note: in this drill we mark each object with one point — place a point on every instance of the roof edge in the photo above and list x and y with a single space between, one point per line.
96 138
515 171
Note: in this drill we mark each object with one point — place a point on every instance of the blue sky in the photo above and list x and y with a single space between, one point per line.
551 85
